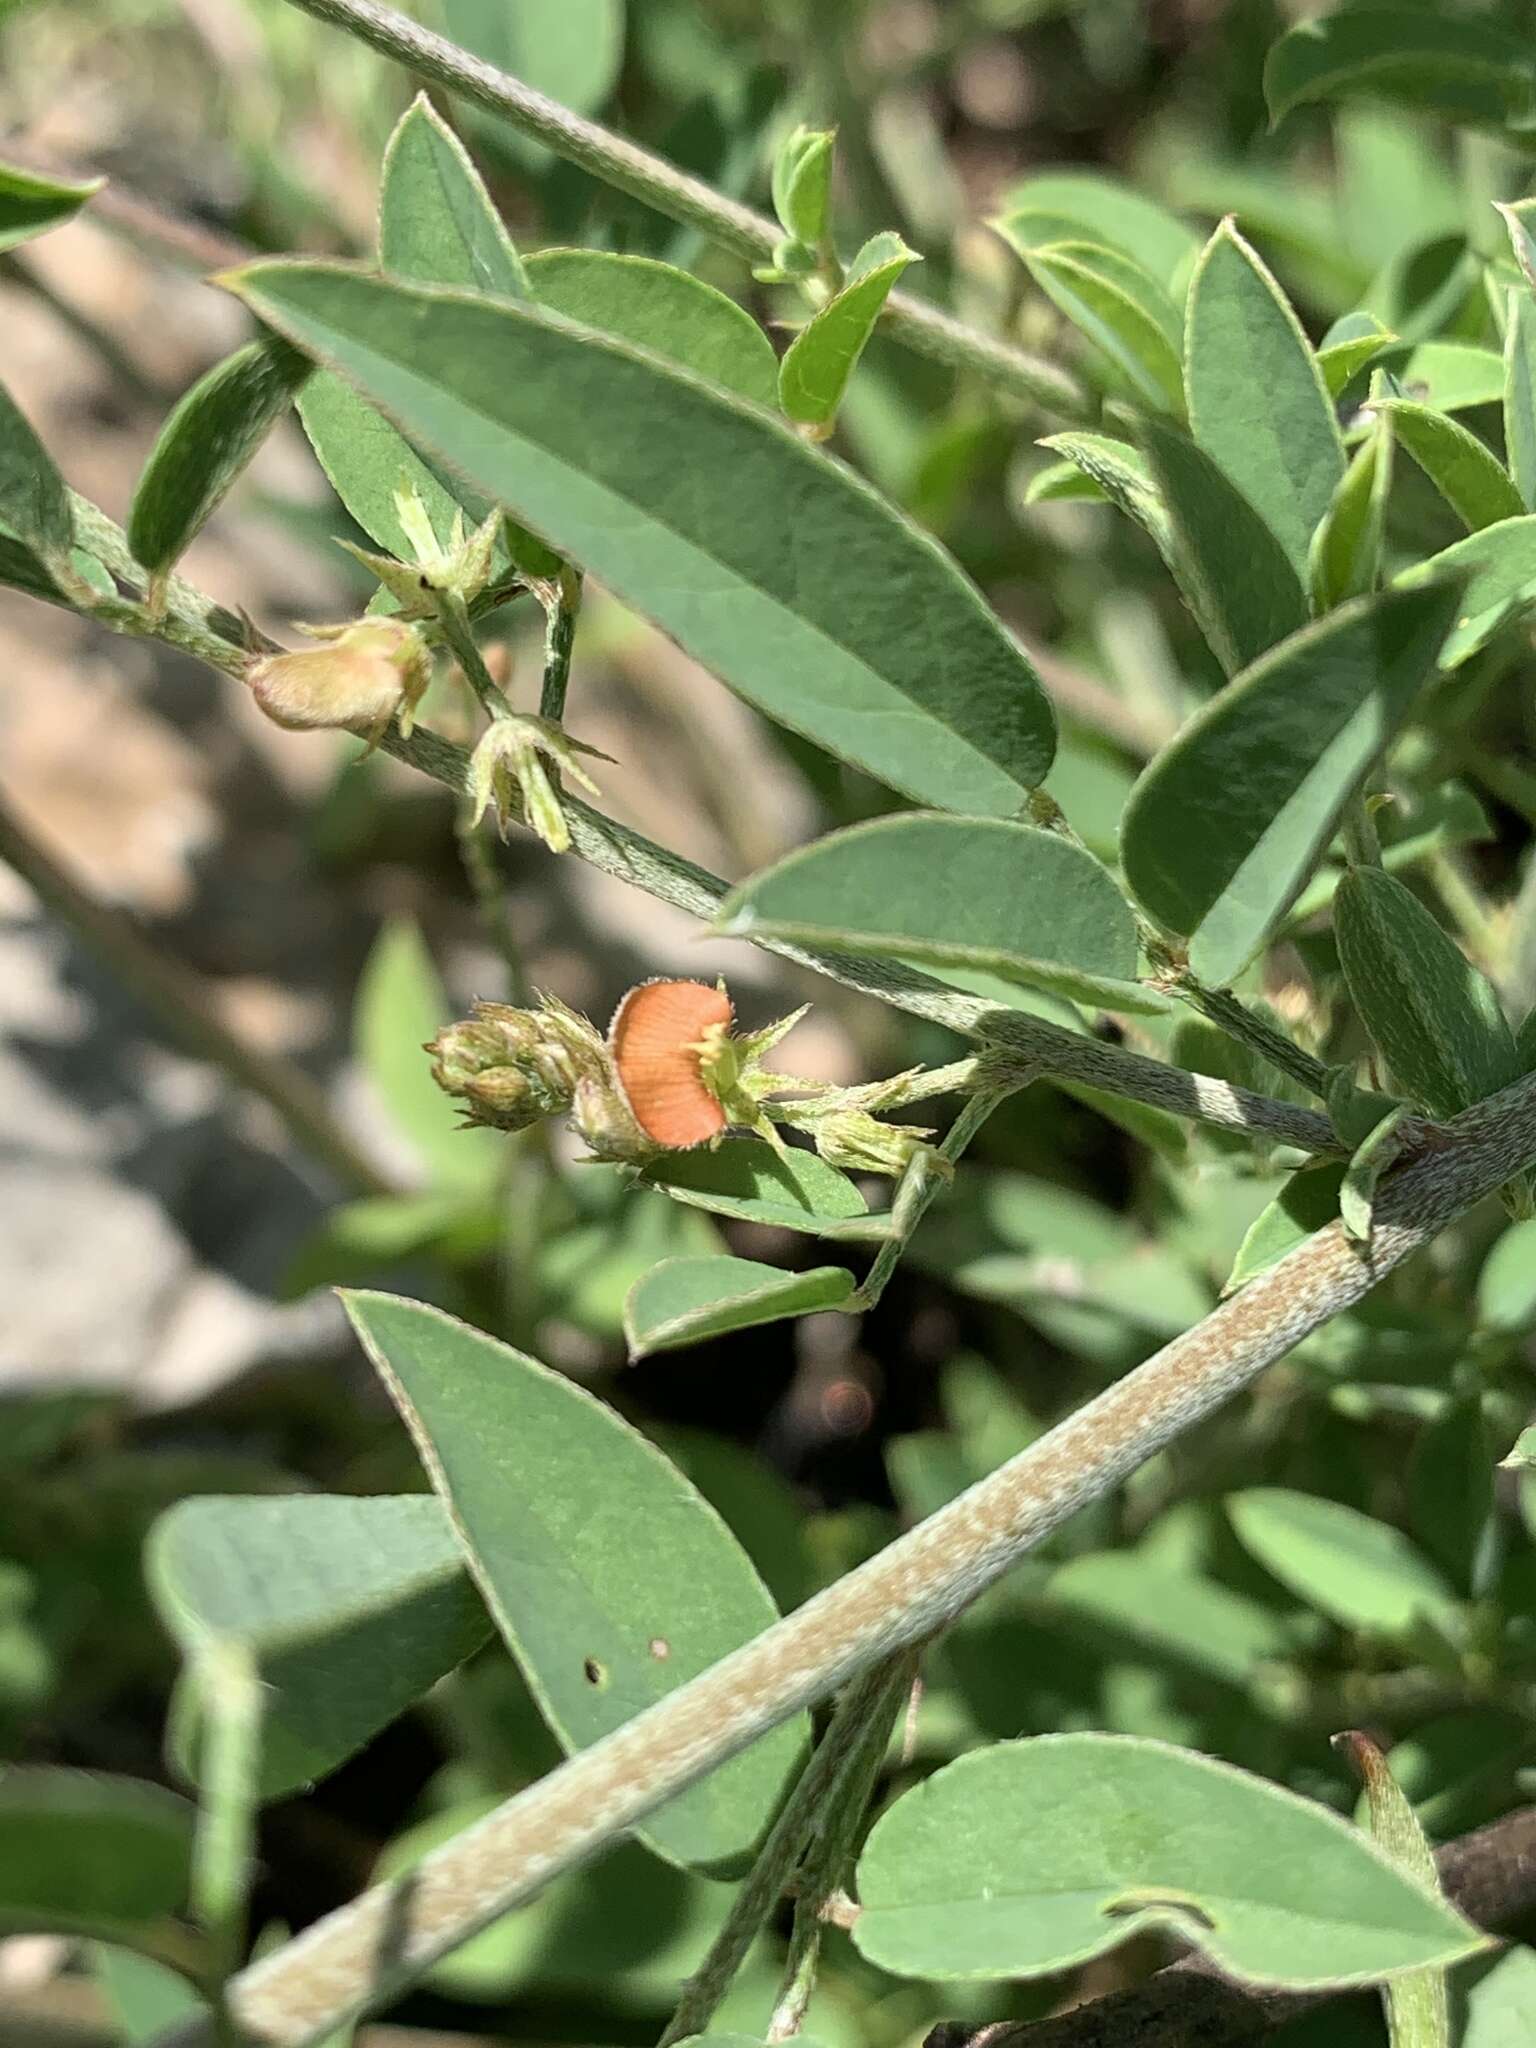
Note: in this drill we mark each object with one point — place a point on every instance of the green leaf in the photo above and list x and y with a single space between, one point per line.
1122 310
1499 567
436 220
350 1608
673 495
400 1006
802 184
1451 1496
1126 1835
1444 817
143 1997
1062 480
825 353
1417 2002
684 1301
34 503
1308 1201
30 203
1226 824
91 1855
1232 571
437 225
1121 473
1285 454
1465 69
1177 1614
1499 2001
1346 548
663 309
1506 1286
1520 395
1432 1015
610 1578
1451 376
1349 345
1364 1574
964 892
746 1179
1054 206
208 440
569 49
1463 469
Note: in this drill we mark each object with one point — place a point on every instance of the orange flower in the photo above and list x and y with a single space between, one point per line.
655 1039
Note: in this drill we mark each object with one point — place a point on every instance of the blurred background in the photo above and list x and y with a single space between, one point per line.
169 1243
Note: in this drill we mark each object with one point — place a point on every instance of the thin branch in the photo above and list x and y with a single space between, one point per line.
1490 1875
363 1954
187 1010
1057 1052
624 164
765 1883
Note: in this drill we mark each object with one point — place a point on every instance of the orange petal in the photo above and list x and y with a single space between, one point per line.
654 1039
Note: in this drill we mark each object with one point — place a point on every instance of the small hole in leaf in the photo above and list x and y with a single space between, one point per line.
659 1648
595 1673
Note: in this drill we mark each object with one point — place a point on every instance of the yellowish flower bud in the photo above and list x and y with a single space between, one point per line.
366 672
859 1143
606 1124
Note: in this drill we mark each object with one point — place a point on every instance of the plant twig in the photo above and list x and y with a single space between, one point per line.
187 1010
1061 1054
767 1880
363 1954
560 613
1223 1009
624 164
921 1182
1490 1875
831 1852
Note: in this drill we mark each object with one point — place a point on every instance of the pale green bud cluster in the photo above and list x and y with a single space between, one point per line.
459 568
511 1068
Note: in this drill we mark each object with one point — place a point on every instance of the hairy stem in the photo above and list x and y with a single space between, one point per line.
920 1183
625 165
1220 1007
560 613
767 1880
364 1953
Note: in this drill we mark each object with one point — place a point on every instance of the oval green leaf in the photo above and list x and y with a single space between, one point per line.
1226 824
1121 309
1433 1016
351 1609
1506 1286
1520 395
1465 69
437 225
1127 1835
1242 337
436 220
1362 1573
34 502
208 440
1349 344
1346 548
611 1579
661 308
684 1301
91 1855
977 893
1308 1201
1092 207
1463 469
30 203
825 353
1452 376
714 521
1230 568
1121 473
746 1179
1499 568
568 49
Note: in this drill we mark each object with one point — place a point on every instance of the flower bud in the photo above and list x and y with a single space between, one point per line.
367 672
511 1067
510 755
856 1142
604 1121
